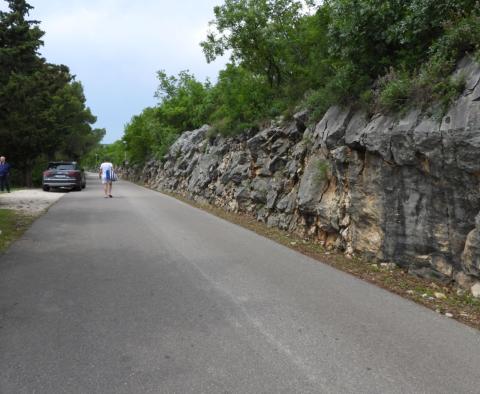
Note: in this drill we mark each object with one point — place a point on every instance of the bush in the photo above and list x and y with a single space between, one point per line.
395 91
432 84
460 37
323 169
345 86
399 92
241 99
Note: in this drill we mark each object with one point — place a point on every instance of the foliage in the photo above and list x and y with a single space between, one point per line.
384 55
278 52
345 85
261 35
20 39
184 104
433 83
461 36
43 114
396 90
182 101
378 34
323 168
116 153
241 98
140 136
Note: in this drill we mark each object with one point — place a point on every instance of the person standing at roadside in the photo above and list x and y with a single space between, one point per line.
4 174
106 175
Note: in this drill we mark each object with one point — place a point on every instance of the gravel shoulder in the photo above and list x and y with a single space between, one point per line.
29 201
19 209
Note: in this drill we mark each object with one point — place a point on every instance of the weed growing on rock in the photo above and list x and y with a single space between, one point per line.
323 167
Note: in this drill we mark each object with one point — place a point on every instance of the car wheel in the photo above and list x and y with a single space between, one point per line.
78 188
46 188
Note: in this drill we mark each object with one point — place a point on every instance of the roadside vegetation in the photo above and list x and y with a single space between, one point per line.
385 55
12 225
43 112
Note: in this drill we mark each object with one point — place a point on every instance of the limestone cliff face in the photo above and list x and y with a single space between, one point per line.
403 190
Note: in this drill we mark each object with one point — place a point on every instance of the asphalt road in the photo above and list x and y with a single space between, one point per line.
144 294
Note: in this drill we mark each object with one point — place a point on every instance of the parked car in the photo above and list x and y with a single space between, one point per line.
64 175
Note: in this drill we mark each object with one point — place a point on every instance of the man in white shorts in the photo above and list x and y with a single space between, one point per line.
106 175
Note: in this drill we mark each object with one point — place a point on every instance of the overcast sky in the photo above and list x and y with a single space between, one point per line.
115 48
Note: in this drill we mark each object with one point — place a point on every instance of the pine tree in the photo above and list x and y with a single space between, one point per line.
42 108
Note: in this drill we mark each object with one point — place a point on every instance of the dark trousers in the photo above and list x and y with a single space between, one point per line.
4 183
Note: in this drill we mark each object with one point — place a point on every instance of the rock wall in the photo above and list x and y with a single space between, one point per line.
402 190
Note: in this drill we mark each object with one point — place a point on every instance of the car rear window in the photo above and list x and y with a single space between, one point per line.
58 166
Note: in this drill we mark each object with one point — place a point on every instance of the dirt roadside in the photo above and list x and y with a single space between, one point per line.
19 209
29 201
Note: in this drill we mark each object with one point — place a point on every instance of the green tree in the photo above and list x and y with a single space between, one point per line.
183 104
71 121
241 98
24 124
261 35
42 109
140 136
20 40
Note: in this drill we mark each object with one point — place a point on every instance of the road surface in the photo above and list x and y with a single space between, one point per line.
144 294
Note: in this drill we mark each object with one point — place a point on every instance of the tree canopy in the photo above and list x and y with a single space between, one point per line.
284 55
43 113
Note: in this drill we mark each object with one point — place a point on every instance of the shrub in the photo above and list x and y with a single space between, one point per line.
323 167
460 37
343 88
432 85
395 91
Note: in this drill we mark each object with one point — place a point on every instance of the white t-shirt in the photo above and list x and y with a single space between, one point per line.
107 166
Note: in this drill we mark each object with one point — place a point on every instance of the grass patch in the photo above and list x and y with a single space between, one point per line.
12 224
457 304
323 168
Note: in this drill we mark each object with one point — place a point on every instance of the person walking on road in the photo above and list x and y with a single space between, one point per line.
4 174
107 176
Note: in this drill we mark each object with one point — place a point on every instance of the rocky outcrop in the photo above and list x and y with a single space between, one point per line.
401 190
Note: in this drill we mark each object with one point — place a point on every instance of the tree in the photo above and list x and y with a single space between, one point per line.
21 78
20 40
241 98
183 104
24 124
140 136
42 107
71 121
261 35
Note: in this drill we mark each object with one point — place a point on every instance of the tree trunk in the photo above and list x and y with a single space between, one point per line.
27 177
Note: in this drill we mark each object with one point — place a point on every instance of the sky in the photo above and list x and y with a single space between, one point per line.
115 48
